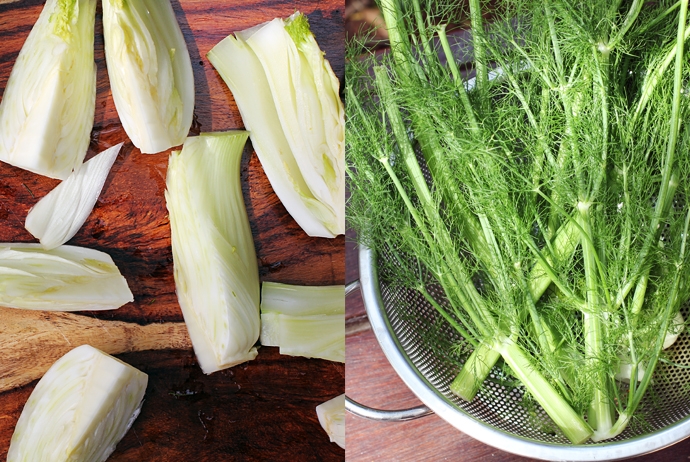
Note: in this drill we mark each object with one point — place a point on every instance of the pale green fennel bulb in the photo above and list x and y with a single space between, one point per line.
288 96
47 109
215 266
80 409
150 72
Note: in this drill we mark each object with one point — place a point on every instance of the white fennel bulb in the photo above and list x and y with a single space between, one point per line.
47 109
288 97
215 266
67 278
304 321
57 217
79 410
150 72
331 416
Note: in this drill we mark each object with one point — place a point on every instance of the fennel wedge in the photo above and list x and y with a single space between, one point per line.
47 109
288 97
304 321
80 409
332 418
57 217
67 278
215 266
150 72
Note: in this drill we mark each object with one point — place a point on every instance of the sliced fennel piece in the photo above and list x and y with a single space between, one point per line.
79 410
315 336
312 336
304 320
57 217
67 278
332 418
150 72
215 267
47 110
287 95
302 300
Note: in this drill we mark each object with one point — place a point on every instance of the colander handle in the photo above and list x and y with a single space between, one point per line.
381 415
400 415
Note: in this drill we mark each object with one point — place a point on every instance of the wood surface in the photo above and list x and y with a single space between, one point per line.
371 380
261 410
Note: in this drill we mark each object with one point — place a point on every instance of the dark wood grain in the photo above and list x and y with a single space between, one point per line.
371 380
263 410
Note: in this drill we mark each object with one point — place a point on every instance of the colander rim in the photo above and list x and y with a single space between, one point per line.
475 428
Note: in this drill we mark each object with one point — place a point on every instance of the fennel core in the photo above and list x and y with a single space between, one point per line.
554 177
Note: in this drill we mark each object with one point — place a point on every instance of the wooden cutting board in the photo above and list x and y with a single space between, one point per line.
261 410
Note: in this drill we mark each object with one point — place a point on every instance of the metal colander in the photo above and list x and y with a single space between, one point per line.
406 327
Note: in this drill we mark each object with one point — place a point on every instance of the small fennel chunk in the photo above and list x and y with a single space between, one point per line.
47 110
313 336
57 217
332 418
80 409
67 278
215 267
150 72
297 123
302 300
304 320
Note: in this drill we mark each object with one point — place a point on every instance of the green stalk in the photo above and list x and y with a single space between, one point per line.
671 305
468 382
427 296
630 18
600 412
465 290
666 187
660 18
475 370
569 422
641 287
564 245
447 281
400 46
654 77
421 27
480 64
428 140
450 59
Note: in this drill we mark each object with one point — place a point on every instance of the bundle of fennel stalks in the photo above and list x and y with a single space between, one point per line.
553 214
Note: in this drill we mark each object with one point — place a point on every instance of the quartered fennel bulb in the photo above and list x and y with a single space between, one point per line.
332 418
67 278
79 410
47 109
304 321
288 97
57 217
215 266
150 72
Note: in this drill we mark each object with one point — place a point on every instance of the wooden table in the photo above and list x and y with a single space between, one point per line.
261 410
372 381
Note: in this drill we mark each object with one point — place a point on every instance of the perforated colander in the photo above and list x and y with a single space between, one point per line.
403 322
